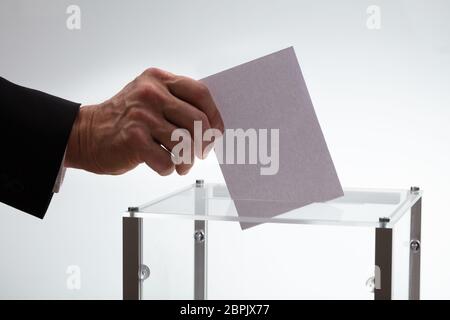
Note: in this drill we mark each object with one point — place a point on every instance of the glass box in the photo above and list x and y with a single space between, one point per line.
190 245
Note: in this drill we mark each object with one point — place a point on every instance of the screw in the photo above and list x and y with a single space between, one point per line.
199 183
144 272
414 245
370 284
199 236
414 189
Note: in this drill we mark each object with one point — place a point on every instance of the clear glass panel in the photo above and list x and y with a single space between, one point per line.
330 259
400 257
357 207
168 251
282 261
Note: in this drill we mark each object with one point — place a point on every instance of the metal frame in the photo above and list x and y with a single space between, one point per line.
200 243
383 262
135 272
132 257
383 255
414 254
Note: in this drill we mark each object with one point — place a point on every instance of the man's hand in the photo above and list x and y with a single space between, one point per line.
115 136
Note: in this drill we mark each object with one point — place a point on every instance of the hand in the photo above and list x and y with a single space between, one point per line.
115 136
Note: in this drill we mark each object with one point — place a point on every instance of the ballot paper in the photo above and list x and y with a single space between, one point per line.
259 100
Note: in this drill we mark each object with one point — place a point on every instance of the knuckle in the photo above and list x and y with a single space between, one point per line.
145 89
150 92
156 73
152 71
202 92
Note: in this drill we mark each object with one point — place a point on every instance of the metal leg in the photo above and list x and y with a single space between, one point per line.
200 260
414 254
383 263
200 244
132 257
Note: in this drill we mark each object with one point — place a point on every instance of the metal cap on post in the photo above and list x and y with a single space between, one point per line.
199 183
414 189
384 221
132 210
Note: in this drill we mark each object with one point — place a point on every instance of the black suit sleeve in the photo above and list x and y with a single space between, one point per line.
34 130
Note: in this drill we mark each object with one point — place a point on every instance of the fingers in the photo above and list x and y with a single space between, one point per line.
197 95
157 158
178 142
184 115
175 103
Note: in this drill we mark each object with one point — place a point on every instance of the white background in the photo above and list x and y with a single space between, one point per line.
382 98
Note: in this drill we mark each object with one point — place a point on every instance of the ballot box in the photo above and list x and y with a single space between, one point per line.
190 244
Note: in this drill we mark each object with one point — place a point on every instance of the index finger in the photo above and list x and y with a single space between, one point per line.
197 94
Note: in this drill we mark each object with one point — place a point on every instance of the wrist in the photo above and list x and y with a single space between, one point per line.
77 145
